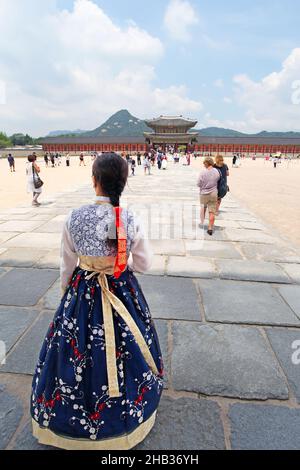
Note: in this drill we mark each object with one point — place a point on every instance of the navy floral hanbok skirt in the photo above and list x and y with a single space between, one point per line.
71 406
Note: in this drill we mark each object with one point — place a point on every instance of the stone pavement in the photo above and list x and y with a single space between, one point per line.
227 310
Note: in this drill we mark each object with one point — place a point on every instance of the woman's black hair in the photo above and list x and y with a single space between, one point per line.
31 158
111 173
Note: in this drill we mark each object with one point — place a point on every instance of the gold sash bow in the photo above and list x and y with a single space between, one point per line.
110 301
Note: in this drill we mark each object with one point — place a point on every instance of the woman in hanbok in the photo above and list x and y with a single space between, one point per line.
99 377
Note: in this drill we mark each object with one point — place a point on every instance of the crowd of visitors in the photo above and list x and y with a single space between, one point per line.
212 181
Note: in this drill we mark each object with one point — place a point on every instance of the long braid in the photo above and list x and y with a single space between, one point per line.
115 199
111 173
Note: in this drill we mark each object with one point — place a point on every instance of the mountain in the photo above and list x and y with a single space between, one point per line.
119 125
219 132
124 124
62 133
290 134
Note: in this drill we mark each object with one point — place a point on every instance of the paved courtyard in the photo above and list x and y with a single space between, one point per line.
227 311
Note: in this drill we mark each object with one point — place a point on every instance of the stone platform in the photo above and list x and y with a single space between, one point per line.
227 310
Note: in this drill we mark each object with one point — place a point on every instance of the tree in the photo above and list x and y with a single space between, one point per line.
4 141
21 139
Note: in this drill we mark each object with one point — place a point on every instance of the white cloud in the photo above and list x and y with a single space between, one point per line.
70 69
269 104
219 83
179 19
90 30
174 100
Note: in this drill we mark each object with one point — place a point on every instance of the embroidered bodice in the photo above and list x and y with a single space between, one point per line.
87 232
92 230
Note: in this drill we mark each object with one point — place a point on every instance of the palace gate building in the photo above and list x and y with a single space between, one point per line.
175 132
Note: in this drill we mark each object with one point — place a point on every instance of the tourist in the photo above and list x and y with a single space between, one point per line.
159 160
234 160
152 159
46 160
139 159
184 160
81 160
34 183
176 158
164 163
147 165
133 166
11 162
52 158
208 184
68 160
276 161
221 166
99 378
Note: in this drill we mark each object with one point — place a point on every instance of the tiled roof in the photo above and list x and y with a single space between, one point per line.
201 140
248 140
171 121
94 140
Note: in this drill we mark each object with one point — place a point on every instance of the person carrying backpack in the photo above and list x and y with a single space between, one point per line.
223 188
208 184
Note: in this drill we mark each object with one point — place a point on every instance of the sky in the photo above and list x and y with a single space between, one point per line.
71 64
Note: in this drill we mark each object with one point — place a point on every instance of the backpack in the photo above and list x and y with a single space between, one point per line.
222 186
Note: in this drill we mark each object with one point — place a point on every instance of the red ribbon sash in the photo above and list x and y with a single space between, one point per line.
121 261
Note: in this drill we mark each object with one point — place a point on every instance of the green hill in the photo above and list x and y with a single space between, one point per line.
219 132
120 124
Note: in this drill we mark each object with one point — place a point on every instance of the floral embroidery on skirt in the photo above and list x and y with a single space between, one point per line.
70 393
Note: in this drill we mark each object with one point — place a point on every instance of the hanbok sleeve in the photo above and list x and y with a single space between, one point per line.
141 253
69 257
